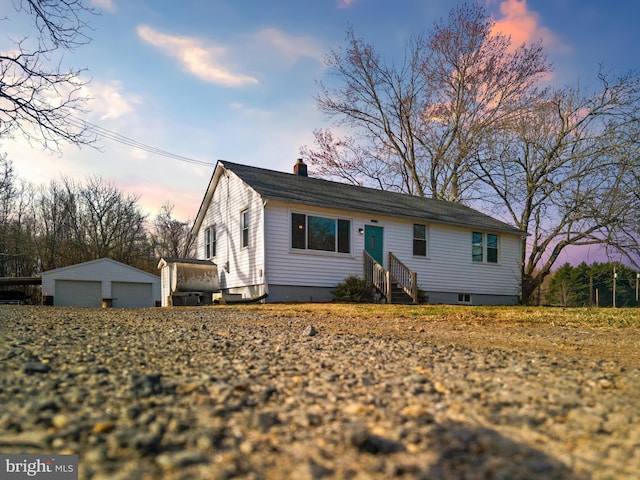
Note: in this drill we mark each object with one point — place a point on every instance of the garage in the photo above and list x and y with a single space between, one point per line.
100 283
131 295
78 293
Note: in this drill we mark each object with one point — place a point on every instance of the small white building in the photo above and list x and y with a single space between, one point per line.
102 282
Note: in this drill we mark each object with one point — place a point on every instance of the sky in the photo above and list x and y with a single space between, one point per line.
235 79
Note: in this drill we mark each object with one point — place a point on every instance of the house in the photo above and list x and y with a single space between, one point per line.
103 282
295 238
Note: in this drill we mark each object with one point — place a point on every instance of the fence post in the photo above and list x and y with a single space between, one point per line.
414 286
387 281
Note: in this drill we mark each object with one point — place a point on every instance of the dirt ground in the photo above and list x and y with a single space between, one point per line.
312 391
598 334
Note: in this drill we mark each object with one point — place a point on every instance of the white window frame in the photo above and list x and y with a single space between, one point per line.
306 248
245 220
425 239
465 298
210 242
484 245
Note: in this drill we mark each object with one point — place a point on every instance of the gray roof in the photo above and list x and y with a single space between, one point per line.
191 261
311 191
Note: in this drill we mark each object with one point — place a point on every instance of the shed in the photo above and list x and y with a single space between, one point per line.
186 281
102 282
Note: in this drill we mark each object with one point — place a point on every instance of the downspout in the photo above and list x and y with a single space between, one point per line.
265 284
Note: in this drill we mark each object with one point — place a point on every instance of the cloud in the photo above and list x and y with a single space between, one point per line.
523 25
345 3
108 101
249 111
202 59
290 47
107 5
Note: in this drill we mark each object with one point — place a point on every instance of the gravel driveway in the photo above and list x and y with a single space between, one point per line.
220 392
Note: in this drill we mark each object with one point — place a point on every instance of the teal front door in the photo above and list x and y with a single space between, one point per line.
373 242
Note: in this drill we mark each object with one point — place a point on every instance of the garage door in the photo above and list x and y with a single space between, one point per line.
78 293
132 295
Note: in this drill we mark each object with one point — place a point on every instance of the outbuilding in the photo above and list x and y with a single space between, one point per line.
103 282
186 281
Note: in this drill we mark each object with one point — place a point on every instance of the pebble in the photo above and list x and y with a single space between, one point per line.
216 393
309 331
36 367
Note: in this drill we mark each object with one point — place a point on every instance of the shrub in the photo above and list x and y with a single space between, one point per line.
354 289
422 297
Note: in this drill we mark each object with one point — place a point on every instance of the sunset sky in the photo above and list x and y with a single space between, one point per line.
235 79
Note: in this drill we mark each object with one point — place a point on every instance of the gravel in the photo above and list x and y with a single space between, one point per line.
221 392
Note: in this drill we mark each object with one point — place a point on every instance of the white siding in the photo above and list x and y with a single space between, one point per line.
286 266
447 268
237 266
165 284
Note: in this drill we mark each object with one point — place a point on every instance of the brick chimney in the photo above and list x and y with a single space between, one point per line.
300 168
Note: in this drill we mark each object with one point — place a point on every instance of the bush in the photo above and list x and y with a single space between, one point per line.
354 289
422 297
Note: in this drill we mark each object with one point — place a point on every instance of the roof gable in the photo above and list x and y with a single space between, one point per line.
104 260
270 184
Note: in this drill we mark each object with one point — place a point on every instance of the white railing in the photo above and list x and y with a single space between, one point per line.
377 275
403 276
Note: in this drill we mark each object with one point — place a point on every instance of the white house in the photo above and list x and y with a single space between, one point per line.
295 238
102 282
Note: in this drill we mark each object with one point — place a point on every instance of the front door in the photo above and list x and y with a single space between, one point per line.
373 242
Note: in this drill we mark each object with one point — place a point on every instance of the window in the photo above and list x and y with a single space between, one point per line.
309 232
245 228
420 240
464 298
298 230
210 242
476 247
492 248
484 247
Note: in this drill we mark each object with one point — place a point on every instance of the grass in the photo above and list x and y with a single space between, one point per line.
569 317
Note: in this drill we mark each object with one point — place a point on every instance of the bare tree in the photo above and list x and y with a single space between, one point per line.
475 82
418 127
172 237
56 209
564 171
381 105
108 223
39 97
17 255
82 222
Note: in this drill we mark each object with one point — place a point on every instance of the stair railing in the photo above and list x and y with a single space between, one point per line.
377 275
403 276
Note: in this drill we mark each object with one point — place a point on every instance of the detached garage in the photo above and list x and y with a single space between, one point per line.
102 282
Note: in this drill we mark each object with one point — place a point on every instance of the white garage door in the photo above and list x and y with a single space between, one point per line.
78 293
132 295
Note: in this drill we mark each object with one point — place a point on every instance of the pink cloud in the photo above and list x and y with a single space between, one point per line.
524 26
345 3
